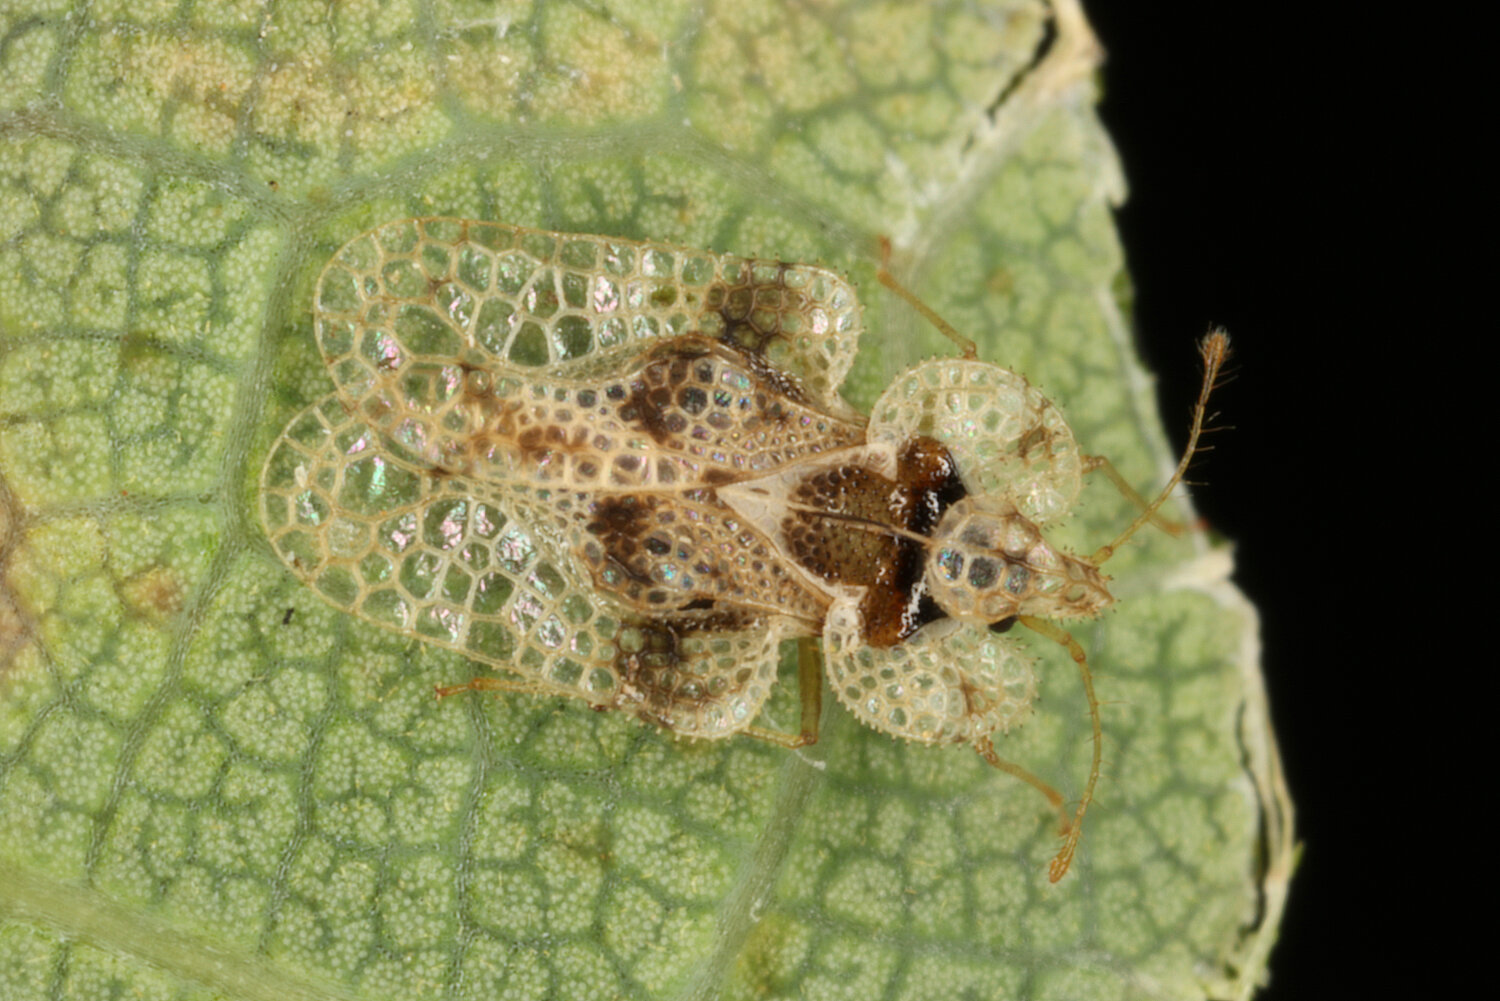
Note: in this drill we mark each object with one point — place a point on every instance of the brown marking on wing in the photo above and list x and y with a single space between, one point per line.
654 400
784 384
752 315
1031 439
694 411
541 441
671 553
652 669
476 383
744 307
647 409
674 386
686 347
539 434
618 523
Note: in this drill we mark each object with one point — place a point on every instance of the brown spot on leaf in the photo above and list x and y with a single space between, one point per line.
155 594
15 624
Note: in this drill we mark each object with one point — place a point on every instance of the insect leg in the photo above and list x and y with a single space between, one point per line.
494 685
810 689
1064 857
986 748
1215 349
884 276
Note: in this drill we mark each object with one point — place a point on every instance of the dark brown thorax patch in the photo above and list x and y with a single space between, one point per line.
841 538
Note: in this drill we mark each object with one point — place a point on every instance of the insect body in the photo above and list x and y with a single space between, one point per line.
621 471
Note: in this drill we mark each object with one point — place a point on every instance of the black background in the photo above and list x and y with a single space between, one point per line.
1234 124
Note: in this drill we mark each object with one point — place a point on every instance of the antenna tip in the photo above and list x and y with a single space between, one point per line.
1214 347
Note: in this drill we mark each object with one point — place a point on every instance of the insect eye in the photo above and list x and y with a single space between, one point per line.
983 572
1003 625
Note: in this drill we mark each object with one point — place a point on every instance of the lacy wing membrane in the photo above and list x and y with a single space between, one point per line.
418 316
467 567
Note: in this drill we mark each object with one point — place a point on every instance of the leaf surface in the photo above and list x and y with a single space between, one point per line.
213 785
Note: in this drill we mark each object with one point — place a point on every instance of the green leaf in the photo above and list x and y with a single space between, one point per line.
214 785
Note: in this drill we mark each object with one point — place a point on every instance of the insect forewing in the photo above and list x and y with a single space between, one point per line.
420 314
430 556
480 570
700 677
